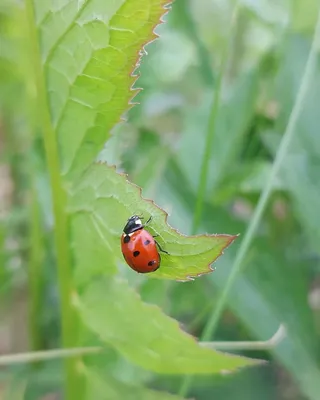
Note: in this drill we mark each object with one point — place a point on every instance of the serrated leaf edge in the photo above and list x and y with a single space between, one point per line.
166 5
231 238
251 361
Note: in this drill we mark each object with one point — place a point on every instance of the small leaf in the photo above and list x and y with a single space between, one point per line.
144 335
103 202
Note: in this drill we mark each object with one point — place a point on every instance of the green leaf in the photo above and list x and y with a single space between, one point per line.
144 335
107 388
301 20
269 299
263 297
89 50
224 155
301 171
248 178
14 388
102 203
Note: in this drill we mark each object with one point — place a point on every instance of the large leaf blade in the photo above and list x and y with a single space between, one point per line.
144 335
89 50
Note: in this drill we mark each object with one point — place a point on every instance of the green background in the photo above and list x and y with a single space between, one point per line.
161 146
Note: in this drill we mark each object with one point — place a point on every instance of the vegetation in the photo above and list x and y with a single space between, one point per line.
224 139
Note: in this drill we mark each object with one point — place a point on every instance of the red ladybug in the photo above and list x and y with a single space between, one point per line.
139 248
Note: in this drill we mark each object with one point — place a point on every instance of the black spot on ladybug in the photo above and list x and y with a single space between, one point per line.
136 253
146 242
126 239
151 263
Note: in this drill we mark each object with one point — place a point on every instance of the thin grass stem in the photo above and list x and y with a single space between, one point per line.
202 187
265 194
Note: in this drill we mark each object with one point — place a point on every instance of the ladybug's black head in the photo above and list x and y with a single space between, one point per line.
133 224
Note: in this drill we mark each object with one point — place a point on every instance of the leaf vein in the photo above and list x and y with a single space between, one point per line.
66 31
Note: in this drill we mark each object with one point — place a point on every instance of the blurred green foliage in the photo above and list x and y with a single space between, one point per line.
160 146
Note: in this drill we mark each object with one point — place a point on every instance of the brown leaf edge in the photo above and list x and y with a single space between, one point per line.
231 238
166 6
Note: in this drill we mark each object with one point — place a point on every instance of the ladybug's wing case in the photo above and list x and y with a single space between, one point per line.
140 252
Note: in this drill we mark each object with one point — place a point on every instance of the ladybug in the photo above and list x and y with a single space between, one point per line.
138 246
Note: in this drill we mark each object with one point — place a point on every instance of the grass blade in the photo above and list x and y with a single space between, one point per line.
212 126
265 195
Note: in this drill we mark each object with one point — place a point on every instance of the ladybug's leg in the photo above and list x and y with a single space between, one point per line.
149 220
160 248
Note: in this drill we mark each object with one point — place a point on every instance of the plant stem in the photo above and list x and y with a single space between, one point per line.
182 10
267 190
238 41
212 126
265 195
35 273
59 202
37 356
250 345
